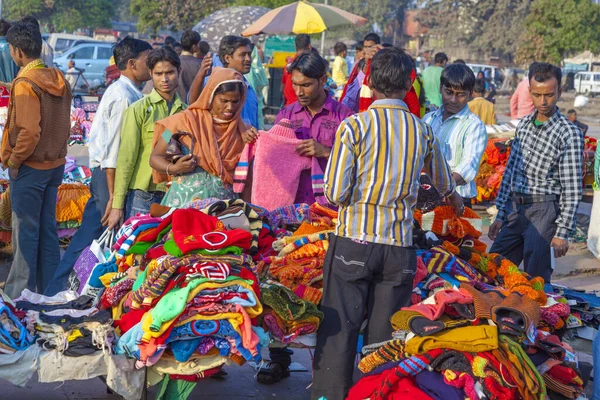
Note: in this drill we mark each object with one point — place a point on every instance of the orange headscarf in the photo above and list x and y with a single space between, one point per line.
218 144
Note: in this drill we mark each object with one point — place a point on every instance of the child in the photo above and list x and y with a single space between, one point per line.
572 115
340 65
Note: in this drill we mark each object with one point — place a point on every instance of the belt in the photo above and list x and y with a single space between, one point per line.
521 199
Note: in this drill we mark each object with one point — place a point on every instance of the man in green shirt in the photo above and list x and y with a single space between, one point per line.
432 78
135 190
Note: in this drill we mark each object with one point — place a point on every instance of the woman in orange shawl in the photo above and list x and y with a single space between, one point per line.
215 122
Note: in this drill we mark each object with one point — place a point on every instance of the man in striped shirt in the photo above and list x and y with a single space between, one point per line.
373 176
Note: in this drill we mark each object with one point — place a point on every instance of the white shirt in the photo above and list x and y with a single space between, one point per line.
105 134
463 139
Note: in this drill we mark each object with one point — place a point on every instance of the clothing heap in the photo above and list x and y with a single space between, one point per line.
491 169
293 278
477 327
76 173
81 124
67 323
183 291
589 153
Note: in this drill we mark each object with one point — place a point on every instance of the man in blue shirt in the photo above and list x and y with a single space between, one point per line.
8 68
234 52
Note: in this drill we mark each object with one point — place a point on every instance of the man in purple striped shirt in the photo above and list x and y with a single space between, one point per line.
315 117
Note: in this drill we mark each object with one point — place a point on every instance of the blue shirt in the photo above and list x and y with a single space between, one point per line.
8 68
463 139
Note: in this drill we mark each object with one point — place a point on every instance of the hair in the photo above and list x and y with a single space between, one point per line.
302 42
390 70
439 58
479 86
204 47
310 64
459 77
543 72
170 41
359 46
230 87
459 61
229 44
189 39
387 45
163 54
4 27
30 19
127 49
339 48
373 37
25 37
177 44
571 112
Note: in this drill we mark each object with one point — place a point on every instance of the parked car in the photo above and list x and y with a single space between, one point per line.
91 58
61 42
488 70
587 83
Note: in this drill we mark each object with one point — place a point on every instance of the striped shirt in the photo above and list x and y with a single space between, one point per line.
373 172
463 139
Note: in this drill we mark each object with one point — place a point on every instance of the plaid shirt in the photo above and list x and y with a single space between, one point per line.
546 160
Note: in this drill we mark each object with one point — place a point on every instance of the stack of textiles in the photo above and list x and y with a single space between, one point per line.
491 169
14 336
478 327
81 125
66 323
183 291
76 173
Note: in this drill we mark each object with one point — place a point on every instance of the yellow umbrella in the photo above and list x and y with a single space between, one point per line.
302 17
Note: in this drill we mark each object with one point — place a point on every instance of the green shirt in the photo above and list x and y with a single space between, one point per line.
431 83
133 165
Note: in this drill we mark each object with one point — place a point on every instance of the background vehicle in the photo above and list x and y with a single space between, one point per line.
61 42
587 83
92 58
489 71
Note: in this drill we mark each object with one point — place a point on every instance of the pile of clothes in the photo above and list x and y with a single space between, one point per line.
477 327
491 169
81 124
183 291
66 323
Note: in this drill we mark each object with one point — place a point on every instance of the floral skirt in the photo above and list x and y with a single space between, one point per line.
198 185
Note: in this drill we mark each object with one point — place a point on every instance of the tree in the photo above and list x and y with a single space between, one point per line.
555 28
64 15
172 14
263 3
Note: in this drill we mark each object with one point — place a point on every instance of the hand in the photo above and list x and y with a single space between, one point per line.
13 173
560 246
115 220
457 203
250 135
206 64
104 220
312 148
184 165
495 229
371 51
458 179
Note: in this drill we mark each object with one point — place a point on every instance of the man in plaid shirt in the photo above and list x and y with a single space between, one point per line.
542 185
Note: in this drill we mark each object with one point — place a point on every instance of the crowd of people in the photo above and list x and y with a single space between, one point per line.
186 139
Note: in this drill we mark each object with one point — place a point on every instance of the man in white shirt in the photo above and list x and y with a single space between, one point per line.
105 135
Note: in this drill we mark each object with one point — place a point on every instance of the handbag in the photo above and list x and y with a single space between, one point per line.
99 252
175 148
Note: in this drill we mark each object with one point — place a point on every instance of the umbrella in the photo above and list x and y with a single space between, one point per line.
228 21
303 17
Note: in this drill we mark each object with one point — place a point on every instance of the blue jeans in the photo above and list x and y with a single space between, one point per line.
90 229
139 202
596 350
36 251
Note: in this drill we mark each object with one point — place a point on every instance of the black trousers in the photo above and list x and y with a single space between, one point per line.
360 279
526 236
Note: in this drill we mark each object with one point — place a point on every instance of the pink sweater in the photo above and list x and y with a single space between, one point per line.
276 169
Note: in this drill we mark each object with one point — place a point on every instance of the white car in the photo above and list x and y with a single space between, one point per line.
587 83
90 58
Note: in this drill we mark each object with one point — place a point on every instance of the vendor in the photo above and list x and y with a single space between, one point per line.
543 180
216 125
461 133
134 190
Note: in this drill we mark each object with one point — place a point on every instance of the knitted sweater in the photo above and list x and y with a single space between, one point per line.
277 168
